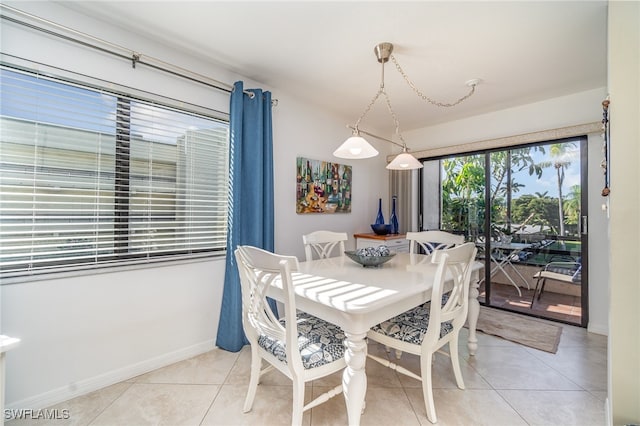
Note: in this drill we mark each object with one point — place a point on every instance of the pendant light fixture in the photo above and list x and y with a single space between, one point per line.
357 147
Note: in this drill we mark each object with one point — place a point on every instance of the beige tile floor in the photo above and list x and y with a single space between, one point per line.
506 384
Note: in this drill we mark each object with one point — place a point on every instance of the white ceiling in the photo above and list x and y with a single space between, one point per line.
522 51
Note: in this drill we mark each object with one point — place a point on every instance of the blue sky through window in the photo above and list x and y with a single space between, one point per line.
39 99
548 182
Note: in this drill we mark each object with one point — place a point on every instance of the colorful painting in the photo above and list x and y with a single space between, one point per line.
322 187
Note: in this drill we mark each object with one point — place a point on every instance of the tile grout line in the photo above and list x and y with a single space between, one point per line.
112 402
222 385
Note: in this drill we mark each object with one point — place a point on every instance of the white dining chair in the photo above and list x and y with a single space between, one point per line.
425 329
324 244
300 346
432 240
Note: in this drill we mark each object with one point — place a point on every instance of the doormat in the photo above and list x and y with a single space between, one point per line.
519 329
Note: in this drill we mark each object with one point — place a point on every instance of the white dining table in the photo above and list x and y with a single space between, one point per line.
356 298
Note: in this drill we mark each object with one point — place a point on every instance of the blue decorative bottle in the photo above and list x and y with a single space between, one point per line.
394 218
380 217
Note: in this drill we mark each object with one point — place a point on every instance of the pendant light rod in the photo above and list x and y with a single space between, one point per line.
356 147
376 136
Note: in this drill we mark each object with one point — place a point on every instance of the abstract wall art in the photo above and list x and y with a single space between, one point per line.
322 187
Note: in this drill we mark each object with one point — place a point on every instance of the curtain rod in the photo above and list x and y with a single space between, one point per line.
125 53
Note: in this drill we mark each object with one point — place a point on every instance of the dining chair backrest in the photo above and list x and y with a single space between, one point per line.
258 270
324 244
453 263
432 240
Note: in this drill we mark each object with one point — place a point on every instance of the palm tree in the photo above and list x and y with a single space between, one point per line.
561 161
572 205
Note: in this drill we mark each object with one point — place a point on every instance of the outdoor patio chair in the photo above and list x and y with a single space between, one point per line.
564 271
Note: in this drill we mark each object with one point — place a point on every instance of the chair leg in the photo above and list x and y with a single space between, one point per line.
298 403
427 386
535 290
455 361
544 280
256 364
398 352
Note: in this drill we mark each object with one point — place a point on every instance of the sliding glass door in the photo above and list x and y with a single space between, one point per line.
524 208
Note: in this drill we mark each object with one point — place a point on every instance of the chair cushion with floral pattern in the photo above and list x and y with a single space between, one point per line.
411 326
320 342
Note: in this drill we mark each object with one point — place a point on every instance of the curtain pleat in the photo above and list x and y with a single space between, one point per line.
251 193
400 186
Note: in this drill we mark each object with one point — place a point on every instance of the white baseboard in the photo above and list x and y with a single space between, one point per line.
64 393
598 329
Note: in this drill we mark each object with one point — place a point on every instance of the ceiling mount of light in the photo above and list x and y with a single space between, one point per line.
357 147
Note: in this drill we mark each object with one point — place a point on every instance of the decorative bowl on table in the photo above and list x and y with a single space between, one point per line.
370 256
381 228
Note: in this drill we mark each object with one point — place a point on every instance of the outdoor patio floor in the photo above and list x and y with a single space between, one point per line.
553 306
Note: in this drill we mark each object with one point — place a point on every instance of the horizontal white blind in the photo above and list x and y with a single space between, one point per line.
90 177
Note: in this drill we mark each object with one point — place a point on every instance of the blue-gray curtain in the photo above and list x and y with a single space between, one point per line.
250 200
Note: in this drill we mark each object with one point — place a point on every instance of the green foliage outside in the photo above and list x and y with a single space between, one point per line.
463 192
541 210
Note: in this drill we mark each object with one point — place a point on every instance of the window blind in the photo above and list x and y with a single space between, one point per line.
91 178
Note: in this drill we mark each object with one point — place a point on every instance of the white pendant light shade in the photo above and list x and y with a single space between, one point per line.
404 161
356 147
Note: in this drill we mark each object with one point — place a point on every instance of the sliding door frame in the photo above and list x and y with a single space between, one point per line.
583 220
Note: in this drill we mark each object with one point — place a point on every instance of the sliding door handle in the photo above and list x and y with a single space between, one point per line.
584 227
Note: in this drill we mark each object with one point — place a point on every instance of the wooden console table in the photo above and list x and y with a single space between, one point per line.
395 242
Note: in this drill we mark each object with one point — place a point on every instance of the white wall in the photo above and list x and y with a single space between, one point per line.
579 108
82 333
300 130
624 88
573 110
79 334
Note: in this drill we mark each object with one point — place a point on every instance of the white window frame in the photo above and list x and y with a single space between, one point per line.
188 169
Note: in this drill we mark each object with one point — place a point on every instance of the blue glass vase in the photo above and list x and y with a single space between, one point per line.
394 218
380 217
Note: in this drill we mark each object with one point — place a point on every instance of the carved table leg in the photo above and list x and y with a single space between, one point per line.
474 312
354 379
